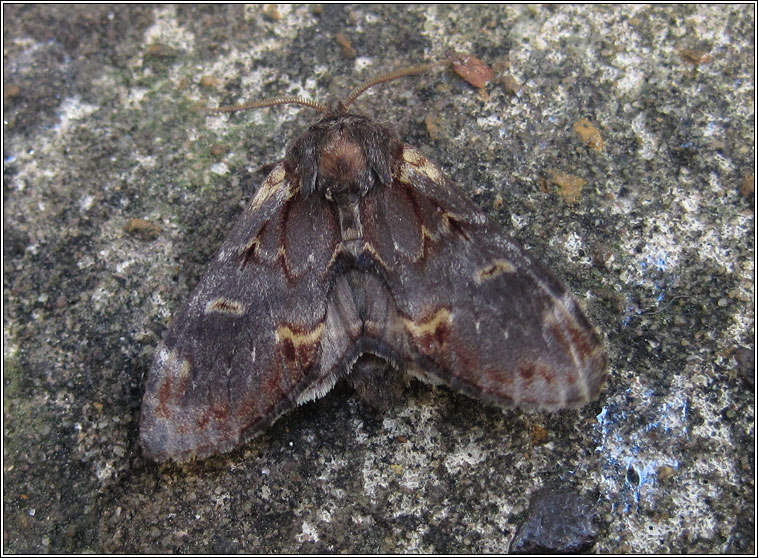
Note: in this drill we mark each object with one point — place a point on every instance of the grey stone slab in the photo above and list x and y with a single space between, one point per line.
117 192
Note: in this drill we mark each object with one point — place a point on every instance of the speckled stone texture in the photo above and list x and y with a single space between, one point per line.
616 142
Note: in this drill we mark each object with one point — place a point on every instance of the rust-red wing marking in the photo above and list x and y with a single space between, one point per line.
431 333
300 347
173 385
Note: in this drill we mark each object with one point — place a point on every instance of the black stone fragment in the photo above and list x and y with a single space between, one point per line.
558 521
745 359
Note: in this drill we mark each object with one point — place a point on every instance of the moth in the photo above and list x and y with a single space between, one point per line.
359 258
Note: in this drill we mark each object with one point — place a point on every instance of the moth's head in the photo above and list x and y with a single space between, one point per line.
342 164
343 154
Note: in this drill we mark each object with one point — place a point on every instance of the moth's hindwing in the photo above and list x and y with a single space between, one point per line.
248 345
481 315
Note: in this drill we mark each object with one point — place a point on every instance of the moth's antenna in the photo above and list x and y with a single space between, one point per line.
350 99
272 102
355 93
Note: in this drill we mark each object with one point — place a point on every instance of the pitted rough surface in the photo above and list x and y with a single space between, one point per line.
101 128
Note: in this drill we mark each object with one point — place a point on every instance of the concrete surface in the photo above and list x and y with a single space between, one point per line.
117 192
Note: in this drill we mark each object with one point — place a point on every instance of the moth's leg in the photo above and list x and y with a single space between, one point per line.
377 381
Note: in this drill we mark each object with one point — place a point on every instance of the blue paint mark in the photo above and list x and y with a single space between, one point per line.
602 415
685 411
625 448
647 474
660 262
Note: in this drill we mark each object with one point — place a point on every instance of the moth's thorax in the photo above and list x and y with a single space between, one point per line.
343 156
342 169
351 227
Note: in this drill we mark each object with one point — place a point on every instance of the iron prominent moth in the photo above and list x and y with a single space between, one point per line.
359 258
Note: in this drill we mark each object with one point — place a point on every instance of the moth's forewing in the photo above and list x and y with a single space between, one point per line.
482 316
247 346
